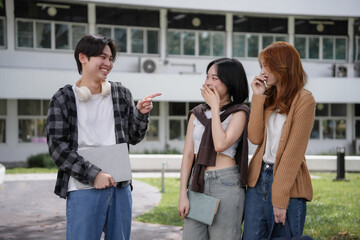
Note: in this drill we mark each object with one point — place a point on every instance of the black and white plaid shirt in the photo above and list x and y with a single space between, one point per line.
62 133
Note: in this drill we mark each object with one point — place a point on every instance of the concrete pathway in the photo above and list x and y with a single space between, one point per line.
30 210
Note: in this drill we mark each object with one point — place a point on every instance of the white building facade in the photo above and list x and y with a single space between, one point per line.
165 46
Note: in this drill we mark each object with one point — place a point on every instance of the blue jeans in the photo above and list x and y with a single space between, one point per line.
93 211
259 214
223 184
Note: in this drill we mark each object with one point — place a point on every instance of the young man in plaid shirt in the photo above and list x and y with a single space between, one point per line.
94 112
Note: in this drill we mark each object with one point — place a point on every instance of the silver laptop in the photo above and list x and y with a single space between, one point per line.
113 159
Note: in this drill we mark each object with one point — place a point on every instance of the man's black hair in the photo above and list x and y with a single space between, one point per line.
93 46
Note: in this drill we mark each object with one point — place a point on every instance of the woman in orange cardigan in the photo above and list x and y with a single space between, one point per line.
281 119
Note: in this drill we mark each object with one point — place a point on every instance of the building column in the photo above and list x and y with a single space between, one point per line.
163 31
10 24
12 123
164 114
351 22
228 37
92 18
291 30
350 127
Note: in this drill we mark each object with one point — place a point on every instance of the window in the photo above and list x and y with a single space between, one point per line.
152 133
268 39
189 43
195 21
300 45
152 41
253 45
177 120
250 44
357 40
2 24
48 35
319 39
2 32
37 9
137 41
32 119
3 112
183 42
127 17
174 43
134 30
313 47
357 121
238 45
260 24
56 27
178 112
141 40
252 34
357 48
315 133
330 121
191 34
211 44
329 47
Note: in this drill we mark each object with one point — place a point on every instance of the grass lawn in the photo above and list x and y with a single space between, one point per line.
30 170
334 213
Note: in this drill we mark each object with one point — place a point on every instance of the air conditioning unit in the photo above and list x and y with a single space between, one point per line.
150 65
344 70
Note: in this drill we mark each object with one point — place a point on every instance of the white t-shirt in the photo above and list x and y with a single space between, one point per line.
274 129
199 131
96 125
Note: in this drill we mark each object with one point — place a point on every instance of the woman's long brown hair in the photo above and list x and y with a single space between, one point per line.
282 60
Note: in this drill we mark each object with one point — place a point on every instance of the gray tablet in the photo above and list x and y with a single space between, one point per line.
113 159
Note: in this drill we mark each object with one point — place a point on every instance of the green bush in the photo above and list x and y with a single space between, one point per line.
165 151
42 160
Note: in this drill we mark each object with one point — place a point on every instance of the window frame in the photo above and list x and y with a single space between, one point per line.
5 32
3 118
129 40
330 117
52 34
184 122
157 118
42 116
356 118
357 48
197 43
321 50
260 42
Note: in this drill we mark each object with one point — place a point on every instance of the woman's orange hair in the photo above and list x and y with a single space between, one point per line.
282 60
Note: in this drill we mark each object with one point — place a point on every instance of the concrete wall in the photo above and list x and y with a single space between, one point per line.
43 83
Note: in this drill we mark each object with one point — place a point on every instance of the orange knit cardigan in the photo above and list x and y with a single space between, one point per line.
291 175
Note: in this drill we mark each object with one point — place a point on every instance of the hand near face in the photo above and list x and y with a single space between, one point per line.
258 85
145 105
211 96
